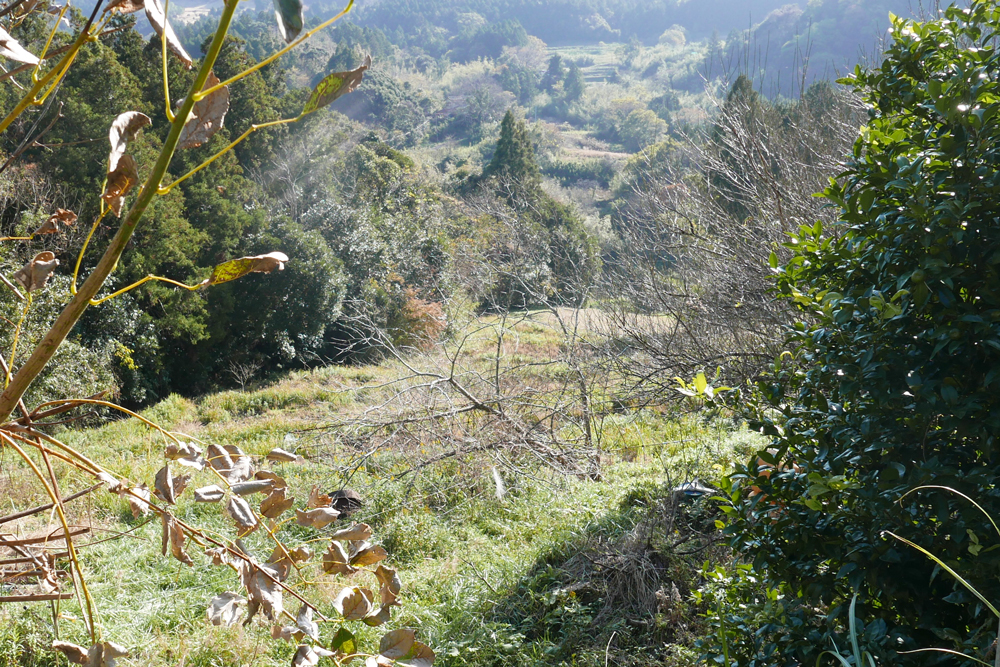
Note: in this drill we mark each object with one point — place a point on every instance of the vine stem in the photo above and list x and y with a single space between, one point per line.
71 314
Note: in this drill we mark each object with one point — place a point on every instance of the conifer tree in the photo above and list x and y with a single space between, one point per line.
514 160
574 84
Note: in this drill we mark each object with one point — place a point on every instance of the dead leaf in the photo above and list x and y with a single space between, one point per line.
304 619
207 115
154 12
285 557
35 274
237 268
289 14
308 656
390 585
225 609
73 653
251 487
114 485
105 655
378 661
368 555
60 217
279 455
164 486
173 537
397 643
276 504
420 655
380 617
318 499
277 481
263 592
123 130
335 560
358 531
168 488
218 458
219 556
286 633
316 518
353 603
241 513
335 85
11 48
124 6
209 494
138 501
242 468
187 454
120 181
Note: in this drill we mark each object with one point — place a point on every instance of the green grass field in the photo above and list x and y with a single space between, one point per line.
551 570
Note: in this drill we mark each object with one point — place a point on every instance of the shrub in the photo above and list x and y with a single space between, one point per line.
890 379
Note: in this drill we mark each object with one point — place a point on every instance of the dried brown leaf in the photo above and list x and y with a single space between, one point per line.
336 561
187 454
358 531
123 130
318 499
120 182
242 468
263 592
397 643
207 116
277 481
304 620
286 633
125 6
173 538
241 513
308 656
105 655
209 494
154 12
353 603
377 618
73 653
368 555
52 224
276 504
420 655
225 609
164 485
35 274
138 501
251 487
218 458
279 455
316 518
390 585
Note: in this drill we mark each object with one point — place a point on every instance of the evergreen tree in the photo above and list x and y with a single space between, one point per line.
574 84
514 160
554 74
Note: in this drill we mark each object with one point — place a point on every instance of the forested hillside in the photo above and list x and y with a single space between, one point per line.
569 332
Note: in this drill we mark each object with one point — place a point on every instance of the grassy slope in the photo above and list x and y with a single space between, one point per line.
488 581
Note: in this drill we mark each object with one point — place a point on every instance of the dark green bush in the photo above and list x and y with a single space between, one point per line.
891 378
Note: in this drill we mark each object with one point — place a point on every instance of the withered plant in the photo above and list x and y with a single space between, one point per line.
49 568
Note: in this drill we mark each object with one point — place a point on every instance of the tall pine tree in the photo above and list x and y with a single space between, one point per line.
513 163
